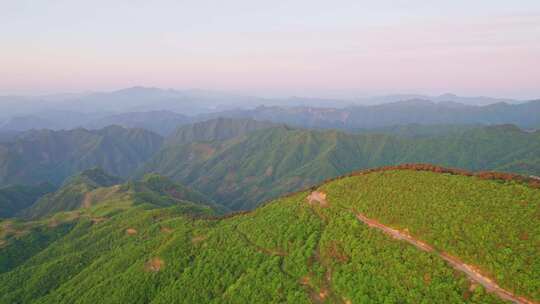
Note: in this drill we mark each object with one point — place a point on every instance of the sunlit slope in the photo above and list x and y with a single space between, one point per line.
491 224
292 250
243 172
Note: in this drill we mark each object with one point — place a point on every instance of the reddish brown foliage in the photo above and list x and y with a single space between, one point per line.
336 252
154 265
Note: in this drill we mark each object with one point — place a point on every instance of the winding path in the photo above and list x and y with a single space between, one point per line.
473 274
457 264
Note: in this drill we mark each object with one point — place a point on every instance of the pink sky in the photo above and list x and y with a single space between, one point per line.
496 53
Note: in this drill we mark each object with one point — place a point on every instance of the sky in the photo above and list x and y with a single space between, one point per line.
340 48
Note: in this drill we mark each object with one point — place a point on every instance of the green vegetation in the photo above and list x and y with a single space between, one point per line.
94 186
16 198
419 130
216 129
491 224
52 156
241 163
243 172
285 251
161 191
73 195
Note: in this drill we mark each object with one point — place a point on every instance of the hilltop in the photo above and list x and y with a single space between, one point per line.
310 246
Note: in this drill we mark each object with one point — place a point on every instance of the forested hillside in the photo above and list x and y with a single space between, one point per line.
51 156
245 171
241 163
74 194
94 186
161 191
216 129
16 198
308 247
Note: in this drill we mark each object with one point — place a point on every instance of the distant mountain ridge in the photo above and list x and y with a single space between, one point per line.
160 109
241 162
417 111
160 122
46 155
243 172
216 129
443 98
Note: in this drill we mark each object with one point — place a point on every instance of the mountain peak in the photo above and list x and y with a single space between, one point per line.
448 95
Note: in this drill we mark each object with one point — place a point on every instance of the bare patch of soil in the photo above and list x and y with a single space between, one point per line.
131 231
318 198
87 201
198 238
154 265
166 229
474 274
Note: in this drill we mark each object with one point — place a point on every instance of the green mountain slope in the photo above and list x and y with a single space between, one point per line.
16 198
216 129
94 186
245 171
44 155
291 250
161 191
72 195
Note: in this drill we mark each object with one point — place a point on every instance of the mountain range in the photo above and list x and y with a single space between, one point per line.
240 163
424 112
162 111
247 170
52 156
168 208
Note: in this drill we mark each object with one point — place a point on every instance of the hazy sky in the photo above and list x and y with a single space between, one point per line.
293 47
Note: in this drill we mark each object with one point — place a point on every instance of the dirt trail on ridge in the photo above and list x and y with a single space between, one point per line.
473 274
457 264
